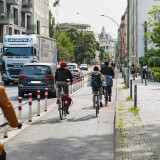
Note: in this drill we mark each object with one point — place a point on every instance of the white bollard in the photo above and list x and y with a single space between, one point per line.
73 85
38 103
46 98
5 129
30 107
83 81
20 108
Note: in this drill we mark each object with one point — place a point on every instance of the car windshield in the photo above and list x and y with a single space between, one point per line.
71 66
36 70
13 51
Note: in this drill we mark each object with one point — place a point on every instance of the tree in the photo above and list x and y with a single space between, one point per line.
51 24
153 26
85 42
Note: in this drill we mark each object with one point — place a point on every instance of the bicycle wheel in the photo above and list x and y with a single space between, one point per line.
64 110
60 108
97 111
106 98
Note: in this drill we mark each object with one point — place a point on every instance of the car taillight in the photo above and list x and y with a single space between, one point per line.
22 77
75 70
49 77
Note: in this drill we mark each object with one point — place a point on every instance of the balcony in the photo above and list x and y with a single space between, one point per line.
4 19
31 29
26 8
10 2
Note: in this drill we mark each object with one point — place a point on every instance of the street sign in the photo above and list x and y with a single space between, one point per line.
92 60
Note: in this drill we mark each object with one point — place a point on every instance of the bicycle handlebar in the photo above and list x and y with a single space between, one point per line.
4 124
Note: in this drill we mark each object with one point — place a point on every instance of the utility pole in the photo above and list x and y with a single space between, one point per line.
127 80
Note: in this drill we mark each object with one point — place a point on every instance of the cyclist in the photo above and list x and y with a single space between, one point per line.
102 78
61 76
107 70
9 114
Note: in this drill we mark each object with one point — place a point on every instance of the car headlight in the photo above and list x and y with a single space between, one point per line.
5 75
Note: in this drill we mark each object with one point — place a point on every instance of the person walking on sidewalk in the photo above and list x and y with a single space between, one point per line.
61 76
9 114
99 77
108 72
133 70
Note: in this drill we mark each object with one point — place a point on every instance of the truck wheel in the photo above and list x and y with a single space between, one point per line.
6 83
21 94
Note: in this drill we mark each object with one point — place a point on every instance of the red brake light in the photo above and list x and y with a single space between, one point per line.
22 77
49 77
152 72
75 70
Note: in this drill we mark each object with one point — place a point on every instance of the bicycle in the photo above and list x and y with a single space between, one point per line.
96 100
105 89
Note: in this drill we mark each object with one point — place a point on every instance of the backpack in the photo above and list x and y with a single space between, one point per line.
96 81
67 101
109 81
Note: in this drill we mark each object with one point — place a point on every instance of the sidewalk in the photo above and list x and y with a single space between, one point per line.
138 133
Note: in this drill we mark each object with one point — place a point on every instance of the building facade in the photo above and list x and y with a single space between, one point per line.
21 16
107 41
138 16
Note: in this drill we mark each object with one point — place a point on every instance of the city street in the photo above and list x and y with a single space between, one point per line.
81 135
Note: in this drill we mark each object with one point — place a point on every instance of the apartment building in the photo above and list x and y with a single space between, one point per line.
138 16
21 16
108 43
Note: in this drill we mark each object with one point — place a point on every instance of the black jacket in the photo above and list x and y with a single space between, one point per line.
107 70
62 74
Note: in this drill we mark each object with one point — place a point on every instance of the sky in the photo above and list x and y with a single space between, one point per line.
89 12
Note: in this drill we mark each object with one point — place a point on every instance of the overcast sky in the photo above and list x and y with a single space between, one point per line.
89 12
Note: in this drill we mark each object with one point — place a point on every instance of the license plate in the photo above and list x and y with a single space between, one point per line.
37 82
15 80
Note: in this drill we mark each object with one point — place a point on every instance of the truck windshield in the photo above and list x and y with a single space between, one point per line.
18 51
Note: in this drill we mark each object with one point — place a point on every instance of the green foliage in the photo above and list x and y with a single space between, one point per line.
51 24
134 109
157 76
151 62
153 26
156 69
129 99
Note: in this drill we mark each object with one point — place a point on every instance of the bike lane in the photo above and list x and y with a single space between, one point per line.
81 135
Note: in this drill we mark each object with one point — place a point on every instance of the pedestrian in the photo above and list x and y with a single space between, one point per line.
9 114
133 70
96 86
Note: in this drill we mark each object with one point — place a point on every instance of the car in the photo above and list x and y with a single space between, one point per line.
37 76
83 66
73 67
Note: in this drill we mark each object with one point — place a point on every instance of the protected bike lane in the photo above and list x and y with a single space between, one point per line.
138 133
81 135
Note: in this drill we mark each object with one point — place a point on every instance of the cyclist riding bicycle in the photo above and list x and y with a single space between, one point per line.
61 76
9 114
99 77
108 71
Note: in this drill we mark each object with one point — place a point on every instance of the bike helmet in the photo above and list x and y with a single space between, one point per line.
63 64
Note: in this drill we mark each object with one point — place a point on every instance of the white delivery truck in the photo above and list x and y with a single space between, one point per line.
21 49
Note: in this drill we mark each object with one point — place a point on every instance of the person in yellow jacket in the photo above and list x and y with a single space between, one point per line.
9 114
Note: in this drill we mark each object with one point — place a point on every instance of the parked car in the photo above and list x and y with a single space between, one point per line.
73 67
37 76
83 66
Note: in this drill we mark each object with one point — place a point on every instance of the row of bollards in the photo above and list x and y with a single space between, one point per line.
30 105
135 93
76 85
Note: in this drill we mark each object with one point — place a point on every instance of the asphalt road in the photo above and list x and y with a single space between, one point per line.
80 136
